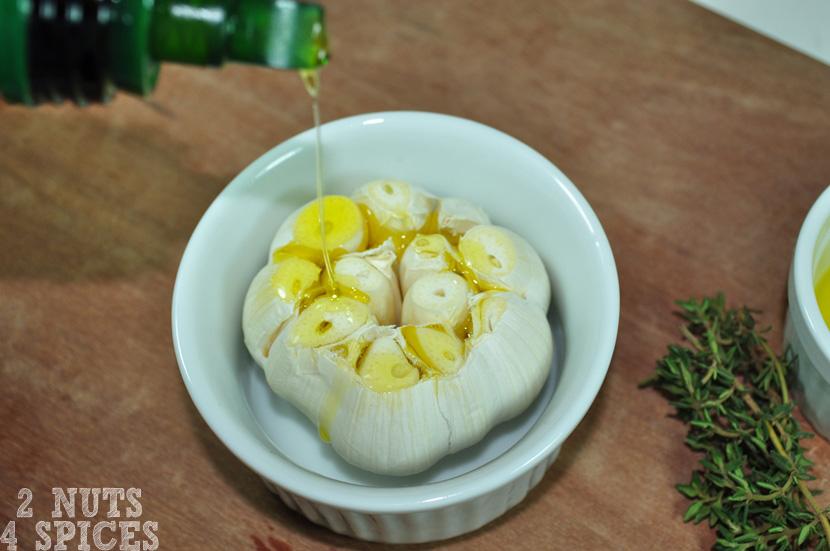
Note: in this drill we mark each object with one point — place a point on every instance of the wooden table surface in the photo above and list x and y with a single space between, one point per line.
700 145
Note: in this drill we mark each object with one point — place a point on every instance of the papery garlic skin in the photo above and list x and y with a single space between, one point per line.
507 364
294 367
501 259
456 216
379 431
375 431
371 272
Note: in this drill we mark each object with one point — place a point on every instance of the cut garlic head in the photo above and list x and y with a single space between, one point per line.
438 298
395 385
299 236
501 260
394 210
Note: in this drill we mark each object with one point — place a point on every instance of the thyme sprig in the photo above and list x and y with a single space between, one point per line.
729 386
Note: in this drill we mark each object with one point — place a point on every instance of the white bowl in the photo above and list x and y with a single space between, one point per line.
520 189
805 330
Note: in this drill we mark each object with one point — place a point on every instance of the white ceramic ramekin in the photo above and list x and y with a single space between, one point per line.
449 156
805 330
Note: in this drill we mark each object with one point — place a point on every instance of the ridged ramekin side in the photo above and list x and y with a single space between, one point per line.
419 526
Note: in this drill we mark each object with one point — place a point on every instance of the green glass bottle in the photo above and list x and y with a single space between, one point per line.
84 50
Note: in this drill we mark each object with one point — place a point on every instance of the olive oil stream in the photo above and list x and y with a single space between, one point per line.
311 80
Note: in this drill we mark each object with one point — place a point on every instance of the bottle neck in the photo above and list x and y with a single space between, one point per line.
279 34
83 50
187 32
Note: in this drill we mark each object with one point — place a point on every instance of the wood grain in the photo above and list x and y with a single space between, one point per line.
700 145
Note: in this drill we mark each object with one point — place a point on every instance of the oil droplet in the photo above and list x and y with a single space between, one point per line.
330 407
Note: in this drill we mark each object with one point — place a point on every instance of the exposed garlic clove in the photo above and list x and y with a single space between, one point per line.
394 209
437 351
299 235
486 309
328 320
270 300
385 367
505 369
439 298
502 260
371 273
456 216
426 254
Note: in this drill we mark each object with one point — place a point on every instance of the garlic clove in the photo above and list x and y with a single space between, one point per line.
439 298
504 371
371 273
385 367
426 254
299 235
455 216
503 260
270 300
394 209
327 320
439 353
486 309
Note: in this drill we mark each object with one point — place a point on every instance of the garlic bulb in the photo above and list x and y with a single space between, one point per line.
500 259
395 385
